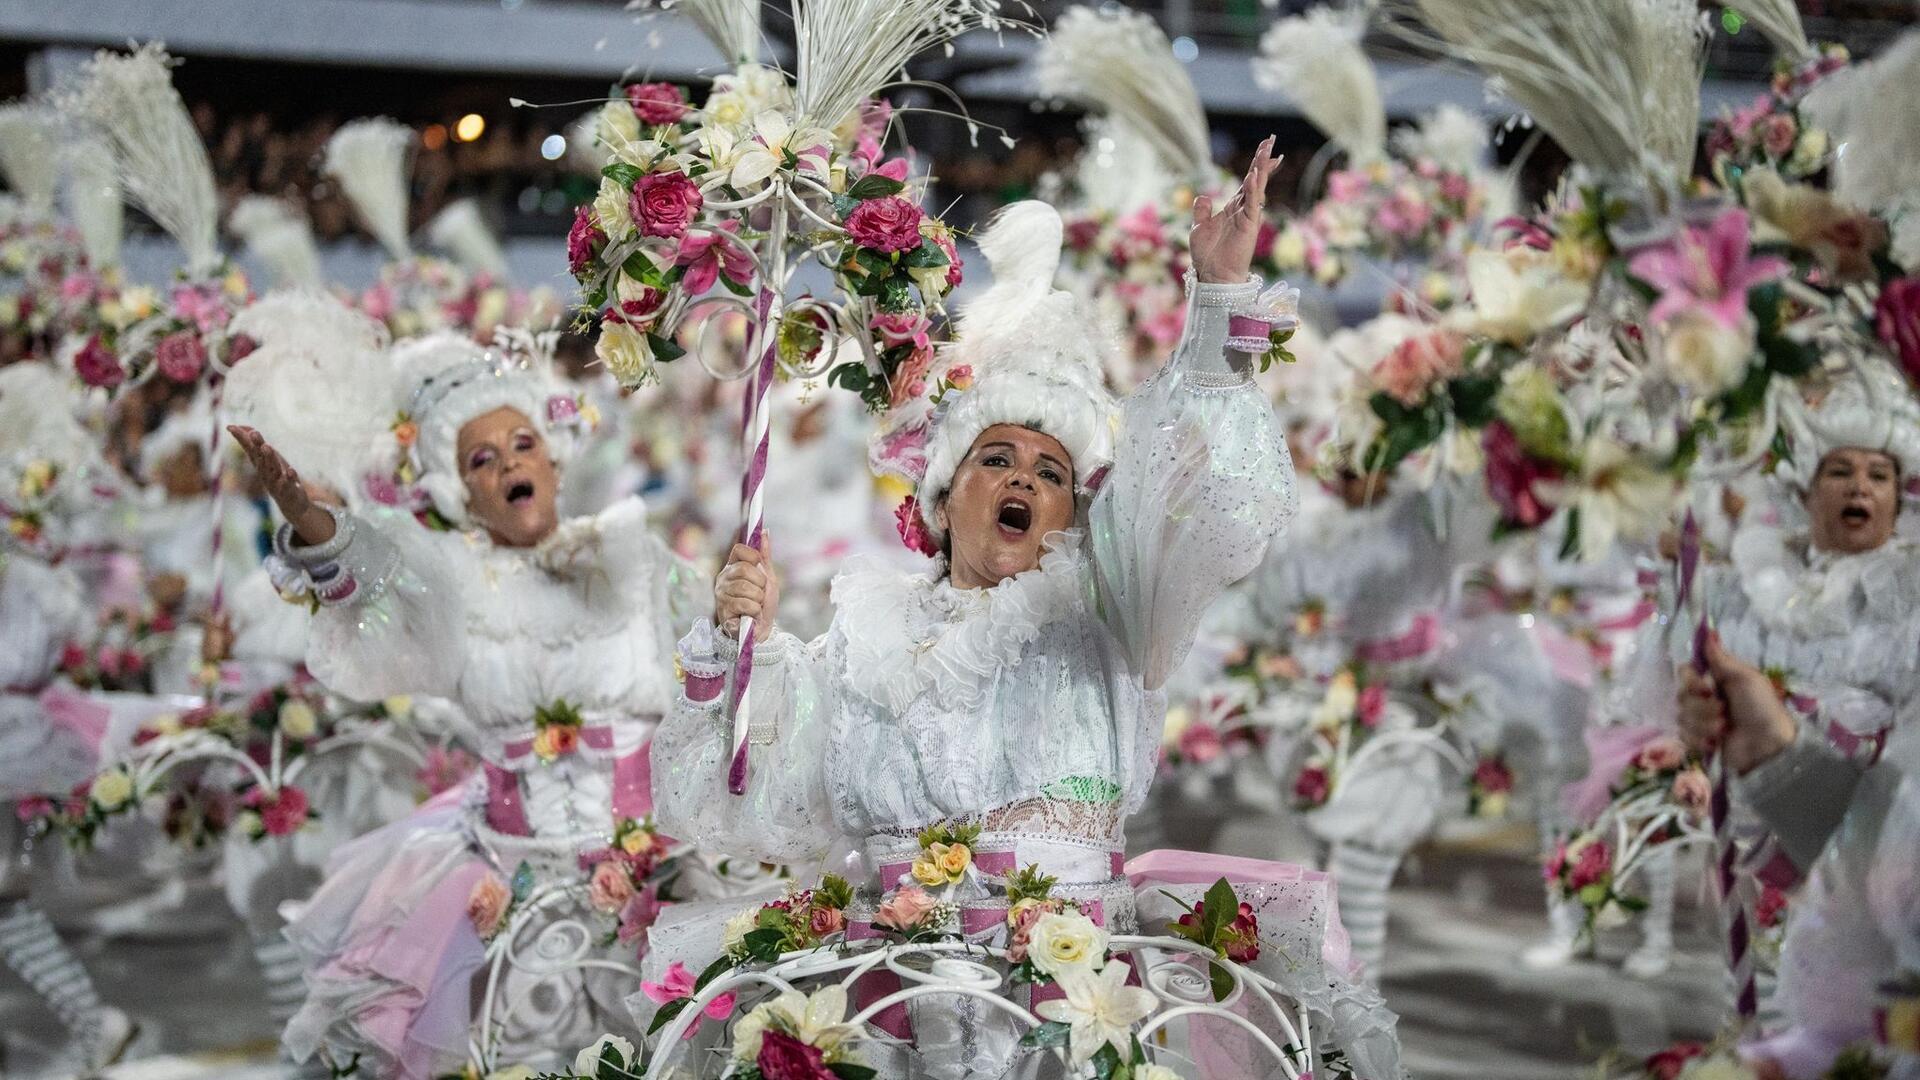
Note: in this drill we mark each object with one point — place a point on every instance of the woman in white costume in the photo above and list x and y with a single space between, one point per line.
50 736
554 638
1017 687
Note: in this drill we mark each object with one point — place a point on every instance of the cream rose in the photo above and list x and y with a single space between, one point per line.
1705 356
111 789
297 720
1066 941
734 934
625 352
610 209
618 125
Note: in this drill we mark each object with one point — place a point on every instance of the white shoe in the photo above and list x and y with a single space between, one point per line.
1650 961
1555 952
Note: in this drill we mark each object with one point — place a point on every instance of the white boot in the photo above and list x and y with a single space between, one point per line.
29 946
1363 875
1562 945
1655 954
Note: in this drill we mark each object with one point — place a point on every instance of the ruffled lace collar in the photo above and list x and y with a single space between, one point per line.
909 633
1792 587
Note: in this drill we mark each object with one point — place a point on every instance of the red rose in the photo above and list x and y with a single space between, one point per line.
913 532
1668 1063
1311 787
1492 776
783 1057
1897 318
889 225
657 102
664 204
181 356
583 240
1770 907
73 657
1592 866
1512 476
97 365
281 813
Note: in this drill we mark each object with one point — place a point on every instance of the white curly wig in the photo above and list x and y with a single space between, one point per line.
449 381
1037 355
1867 410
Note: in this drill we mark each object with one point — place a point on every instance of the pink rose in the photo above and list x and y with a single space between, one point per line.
1312 786
583 240
202 306
913 532
1372 705
888 225
1346 185
1409 372
1512 476
1200 743
282 812
1455 187
1020 933
33 808
180 356
1778 133
97 365
665 204
377 302
487 904
610 888
905 910
1557 863
825 920
1592 866
1082 234
783 1057
1896 317
901 328
637 915
1660 755
1692 790
657 103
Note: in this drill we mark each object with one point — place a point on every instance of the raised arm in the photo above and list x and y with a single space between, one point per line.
390 618
1201 480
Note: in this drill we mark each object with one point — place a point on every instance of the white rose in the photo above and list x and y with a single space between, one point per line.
398 707
587 1062
749 1031
737 928
610 209
297 720
625 352
111 789
1066 941
618 125
1705 356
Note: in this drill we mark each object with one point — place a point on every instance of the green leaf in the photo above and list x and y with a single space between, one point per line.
1632 903
875 186
844 205
713 971
611 1056
764 944
522 882
1221 980
666 1014
925 257
1107 1064
1764 301
1788 357
1222 905
852 376
894 294
1748 396
834 891
622 173
1570 547
846 1070
737 288
1472 398
1047 1036
664 349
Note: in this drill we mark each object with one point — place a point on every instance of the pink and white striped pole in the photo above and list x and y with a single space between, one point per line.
1734 916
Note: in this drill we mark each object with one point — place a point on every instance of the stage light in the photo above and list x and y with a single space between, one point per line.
434 137
553 146
470 127
1186 50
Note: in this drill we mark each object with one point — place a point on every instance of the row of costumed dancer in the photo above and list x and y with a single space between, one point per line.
299 607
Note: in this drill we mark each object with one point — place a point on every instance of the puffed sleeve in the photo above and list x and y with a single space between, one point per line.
1201 483
786 814
390 617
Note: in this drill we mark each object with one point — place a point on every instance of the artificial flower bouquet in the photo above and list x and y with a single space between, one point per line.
180 334
1382 212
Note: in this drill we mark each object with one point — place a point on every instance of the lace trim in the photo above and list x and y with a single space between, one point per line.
1087 822
1805 592
907 634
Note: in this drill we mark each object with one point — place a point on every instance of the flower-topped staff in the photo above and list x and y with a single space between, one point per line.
744 190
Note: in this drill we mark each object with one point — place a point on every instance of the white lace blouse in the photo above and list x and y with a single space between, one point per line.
1032 707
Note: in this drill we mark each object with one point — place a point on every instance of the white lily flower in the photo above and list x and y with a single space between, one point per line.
1615 494
1519 293
1100 1008
775 138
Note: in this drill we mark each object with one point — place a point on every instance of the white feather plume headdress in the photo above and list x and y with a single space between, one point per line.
1316 60
129 99
318 385
461 232
1617 84
93 200
1038 359
732 25
849 50
1449 136
29 140
1779 22
368 159
1869 112
279 238
1120 64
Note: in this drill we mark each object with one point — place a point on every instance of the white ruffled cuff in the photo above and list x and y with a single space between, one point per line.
1204 355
